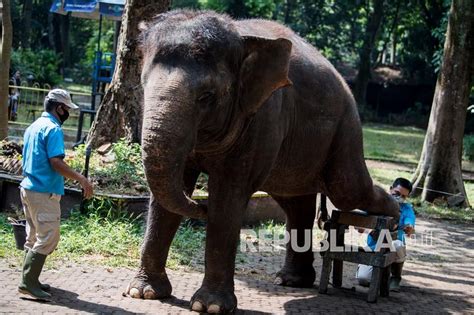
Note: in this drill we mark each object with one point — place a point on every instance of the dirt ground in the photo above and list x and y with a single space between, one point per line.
438 278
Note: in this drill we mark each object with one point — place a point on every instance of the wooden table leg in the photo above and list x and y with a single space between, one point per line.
338 264
325 273
385 282
374 285
337 273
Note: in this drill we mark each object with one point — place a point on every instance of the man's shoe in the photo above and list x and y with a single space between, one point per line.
32 267
395 284
396 272
43 286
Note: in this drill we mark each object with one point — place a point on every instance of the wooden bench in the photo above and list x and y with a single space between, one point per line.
381 261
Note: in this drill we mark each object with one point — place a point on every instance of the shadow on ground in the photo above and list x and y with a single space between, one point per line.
70 300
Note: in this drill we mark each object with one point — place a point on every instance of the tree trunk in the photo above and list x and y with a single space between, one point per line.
288 12
52 43
118 115
391 33
64 29
237 9
393 51
5 52
439 171
26 23
371 31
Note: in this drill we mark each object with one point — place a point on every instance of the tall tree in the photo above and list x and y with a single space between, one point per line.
439 168
119 112
363 75
5 52
65 47
26 23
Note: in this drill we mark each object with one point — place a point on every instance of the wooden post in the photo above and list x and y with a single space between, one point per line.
338 264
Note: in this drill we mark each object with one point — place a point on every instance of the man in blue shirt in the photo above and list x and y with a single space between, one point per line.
43 186
399 190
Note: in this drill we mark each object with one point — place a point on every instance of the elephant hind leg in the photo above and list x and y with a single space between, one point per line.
349 186
298 270
348 182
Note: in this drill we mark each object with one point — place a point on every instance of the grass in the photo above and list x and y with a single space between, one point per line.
383 142
110 239
399 144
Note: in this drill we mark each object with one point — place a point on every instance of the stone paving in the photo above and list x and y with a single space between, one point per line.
438 278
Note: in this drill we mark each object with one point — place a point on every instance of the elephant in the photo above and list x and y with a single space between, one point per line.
256 107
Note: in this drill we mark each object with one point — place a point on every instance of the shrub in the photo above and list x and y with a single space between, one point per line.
119 171
42 64
469 147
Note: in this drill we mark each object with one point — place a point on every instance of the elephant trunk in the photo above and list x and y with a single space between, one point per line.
167 139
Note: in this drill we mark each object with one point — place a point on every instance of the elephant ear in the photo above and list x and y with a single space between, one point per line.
263 71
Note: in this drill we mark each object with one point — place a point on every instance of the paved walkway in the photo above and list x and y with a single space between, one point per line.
438 278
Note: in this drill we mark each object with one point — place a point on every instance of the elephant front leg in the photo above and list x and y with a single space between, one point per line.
298 270
225 213
151 281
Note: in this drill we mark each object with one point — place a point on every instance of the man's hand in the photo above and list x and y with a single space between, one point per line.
62 168
86 187
409 230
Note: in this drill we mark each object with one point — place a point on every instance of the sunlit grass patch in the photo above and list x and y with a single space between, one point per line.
385 177
393 143
433 211
112 240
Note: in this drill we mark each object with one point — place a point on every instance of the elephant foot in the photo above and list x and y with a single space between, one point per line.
150 287
296 278
213 302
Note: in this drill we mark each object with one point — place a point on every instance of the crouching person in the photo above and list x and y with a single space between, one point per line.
400 190
42 188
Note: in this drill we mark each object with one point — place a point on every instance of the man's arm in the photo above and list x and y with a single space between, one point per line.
409 230
62 168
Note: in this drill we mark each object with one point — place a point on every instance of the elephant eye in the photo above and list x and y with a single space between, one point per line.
206 97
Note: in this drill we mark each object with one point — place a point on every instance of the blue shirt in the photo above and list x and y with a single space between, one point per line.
407 217
43 140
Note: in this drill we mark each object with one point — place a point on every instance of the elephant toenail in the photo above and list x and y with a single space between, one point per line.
135 293
149 293
214 309
197 306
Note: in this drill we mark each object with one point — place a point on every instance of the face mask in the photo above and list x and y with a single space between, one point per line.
64 116
399 199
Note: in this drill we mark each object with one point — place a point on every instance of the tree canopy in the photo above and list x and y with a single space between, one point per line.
337 28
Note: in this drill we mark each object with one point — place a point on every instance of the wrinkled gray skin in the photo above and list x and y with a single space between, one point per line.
257 108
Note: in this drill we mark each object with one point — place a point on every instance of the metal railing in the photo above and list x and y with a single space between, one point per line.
29 106
31 98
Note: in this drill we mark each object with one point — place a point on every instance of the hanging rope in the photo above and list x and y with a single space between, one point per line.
440 192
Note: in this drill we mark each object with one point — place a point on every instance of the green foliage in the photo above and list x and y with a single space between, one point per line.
439 33
128 162
106 235
106 232
106 41
468 147
187 247
42 64
119 172
194 4
216 5
261 8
